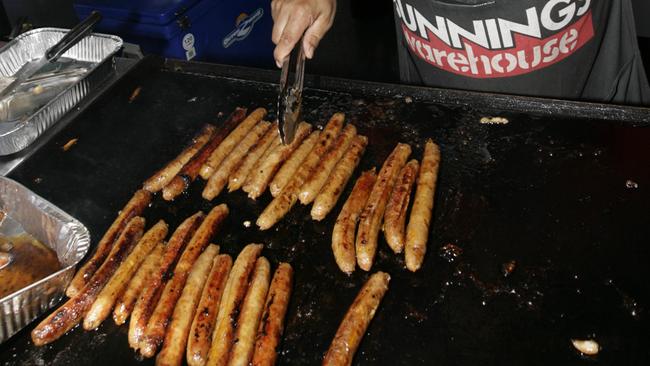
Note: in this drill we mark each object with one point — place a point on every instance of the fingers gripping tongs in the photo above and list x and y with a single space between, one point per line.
290 97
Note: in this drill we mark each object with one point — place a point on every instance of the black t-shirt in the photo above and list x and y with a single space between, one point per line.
573 49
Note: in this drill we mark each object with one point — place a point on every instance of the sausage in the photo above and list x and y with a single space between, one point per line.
315 182
372 214
200 336
249 316
190 171
267 166
333 188
272 321
118 283
226 147
162 177
356 321
236 288
69 314
148 299
398 203
237 178
346 223
134 207
417 230
126 302
290 166
219 179
281 204
155 332
179 327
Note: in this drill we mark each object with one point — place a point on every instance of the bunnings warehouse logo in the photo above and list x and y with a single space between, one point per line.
243 29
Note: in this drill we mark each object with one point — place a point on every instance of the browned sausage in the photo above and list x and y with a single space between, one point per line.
417 231
218 180
162 177
126 302
179 327
272 322
398 203
148 299
118 283
134 207
291 165
69 314
249 315
155 332
356 321
191 170
236 288
237 177
200 337
331 191
281 204
372 214
230 142
316 181
267 166
346 223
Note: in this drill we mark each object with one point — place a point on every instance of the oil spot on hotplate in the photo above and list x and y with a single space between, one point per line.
630 184
630 305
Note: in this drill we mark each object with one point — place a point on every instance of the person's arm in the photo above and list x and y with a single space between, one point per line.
293 18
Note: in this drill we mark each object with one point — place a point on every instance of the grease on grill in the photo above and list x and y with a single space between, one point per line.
450 252
508 267
30 262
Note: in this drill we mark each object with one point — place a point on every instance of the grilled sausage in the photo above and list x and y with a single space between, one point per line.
155 331
272 321
291 165
356 321
118 283
236 288
331 191
179 327
316 181
346 223
267 166
398 203
289 195
200 337
148 299
190 171
218 180
126 302
134 207
226 147
162 177
237 178
249 316
372 214
69 314
417 231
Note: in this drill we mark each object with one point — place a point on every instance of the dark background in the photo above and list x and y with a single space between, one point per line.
360 45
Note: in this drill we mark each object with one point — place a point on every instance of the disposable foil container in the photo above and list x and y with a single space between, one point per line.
27 212
97 49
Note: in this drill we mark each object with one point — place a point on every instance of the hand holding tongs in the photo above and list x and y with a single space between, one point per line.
290 97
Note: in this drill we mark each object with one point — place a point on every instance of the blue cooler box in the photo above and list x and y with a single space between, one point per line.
225 31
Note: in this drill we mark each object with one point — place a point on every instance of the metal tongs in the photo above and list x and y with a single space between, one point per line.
290 97
70 39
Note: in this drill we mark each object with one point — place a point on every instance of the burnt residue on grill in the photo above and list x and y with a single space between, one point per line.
547 193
